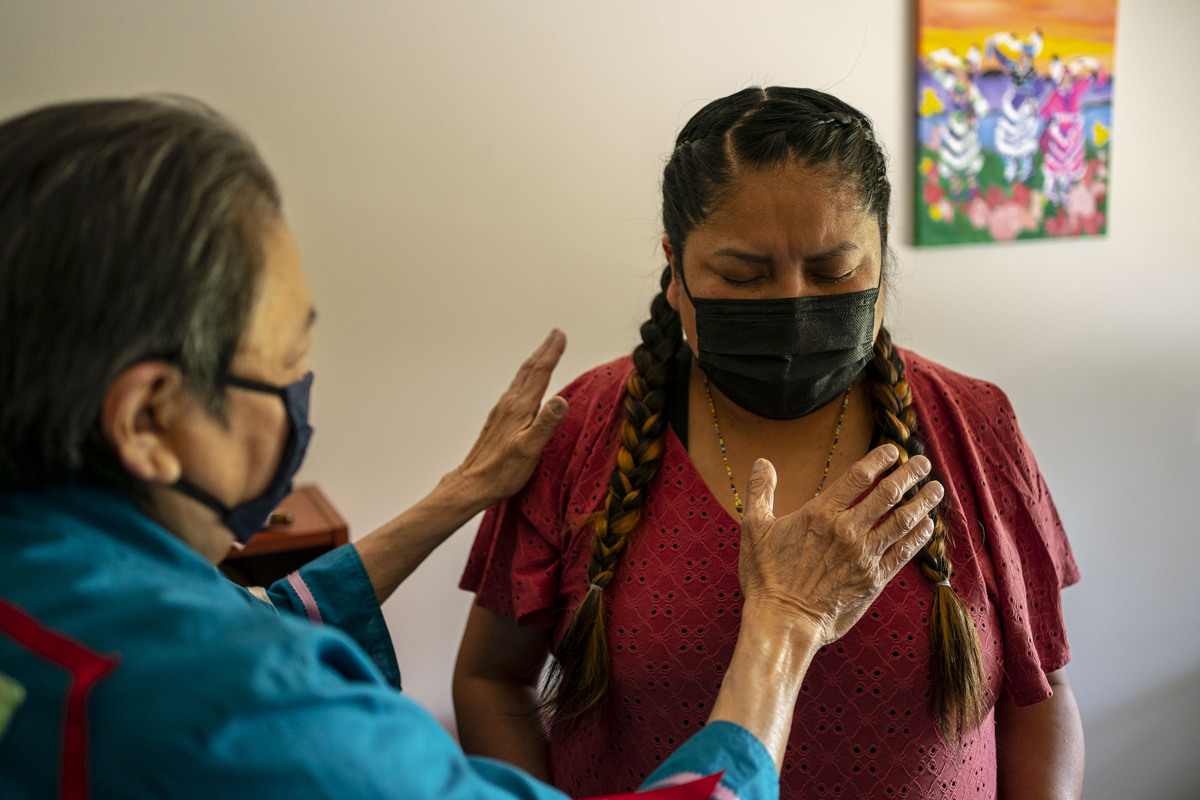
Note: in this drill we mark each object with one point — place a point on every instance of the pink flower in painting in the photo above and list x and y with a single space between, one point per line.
1081 213
933 193
1021 194
1057 225
1029 220
1081 201
946 210
977 211
1005 222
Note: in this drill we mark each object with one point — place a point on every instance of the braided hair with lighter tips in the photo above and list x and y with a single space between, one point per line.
752 130
578 675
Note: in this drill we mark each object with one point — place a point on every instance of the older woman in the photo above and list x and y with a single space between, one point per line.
620 555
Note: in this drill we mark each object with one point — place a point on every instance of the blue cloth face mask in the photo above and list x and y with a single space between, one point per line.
246 519
784 358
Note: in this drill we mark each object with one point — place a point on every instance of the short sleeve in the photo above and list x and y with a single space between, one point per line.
1010 549
513 567
1032 560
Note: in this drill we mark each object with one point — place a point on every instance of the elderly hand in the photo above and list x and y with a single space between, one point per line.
516 430
823 565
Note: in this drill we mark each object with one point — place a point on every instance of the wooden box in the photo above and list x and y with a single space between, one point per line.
303 527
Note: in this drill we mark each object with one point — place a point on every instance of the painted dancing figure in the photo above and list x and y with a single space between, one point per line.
1063 138
1017 128
960 156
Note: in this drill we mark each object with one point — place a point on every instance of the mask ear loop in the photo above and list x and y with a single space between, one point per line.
199 495
186 487
254 386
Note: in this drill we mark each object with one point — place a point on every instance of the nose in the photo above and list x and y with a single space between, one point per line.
789 282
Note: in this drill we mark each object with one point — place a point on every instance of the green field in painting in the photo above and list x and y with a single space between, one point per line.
1052 219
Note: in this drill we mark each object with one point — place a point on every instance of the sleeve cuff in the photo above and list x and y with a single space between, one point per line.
335 590
749 768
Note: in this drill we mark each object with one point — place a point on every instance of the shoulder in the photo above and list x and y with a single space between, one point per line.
594 399
934 384
579 454
157 639
605 381
225 667
968 418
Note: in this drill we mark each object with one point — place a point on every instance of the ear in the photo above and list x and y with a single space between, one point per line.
673 286
140 409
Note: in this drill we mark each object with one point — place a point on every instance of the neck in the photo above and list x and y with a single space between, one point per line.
800 448
193 523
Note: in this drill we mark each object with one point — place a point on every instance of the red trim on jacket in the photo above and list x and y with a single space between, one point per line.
86 667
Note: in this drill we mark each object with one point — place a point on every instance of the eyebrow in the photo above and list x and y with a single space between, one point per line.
838 250
755 258
742 255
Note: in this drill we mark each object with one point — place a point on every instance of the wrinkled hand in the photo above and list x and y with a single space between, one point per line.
516 430
826 563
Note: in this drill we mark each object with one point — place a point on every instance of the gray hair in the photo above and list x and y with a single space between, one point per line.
129 230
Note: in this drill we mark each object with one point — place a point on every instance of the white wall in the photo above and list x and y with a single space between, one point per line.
463 175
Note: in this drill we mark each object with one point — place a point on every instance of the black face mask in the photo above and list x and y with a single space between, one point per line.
784 358
245 519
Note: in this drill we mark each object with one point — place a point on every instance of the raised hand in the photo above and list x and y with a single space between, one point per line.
517 428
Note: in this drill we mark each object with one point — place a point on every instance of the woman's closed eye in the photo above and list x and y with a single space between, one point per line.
740 280
827 279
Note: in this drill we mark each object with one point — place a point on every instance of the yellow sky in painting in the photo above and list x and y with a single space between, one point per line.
1069 27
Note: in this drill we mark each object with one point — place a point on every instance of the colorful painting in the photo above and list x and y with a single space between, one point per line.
1014 119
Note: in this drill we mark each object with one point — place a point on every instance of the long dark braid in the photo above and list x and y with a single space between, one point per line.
958 677
578 677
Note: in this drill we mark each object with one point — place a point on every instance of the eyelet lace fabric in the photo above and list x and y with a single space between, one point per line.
864 724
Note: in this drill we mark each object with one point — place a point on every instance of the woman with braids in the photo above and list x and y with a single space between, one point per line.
620 557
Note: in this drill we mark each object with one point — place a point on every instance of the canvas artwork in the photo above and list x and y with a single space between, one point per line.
1014 119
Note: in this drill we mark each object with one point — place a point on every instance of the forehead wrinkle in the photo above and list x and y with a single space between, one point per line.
793 213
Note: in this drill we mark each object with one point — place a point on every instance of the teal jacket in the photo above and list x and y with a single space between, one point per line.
131 668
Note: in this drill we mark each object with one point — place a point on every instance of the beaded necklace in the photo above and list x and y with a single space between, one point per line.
737 500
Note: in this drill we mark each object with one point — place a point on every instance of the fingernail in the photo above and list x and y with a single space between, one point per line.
939 491
923 465
890 451
759 466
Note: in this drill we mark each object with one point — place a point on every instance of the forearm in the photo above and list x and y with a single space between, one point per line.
1039 749
499 718
763 680
391 552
